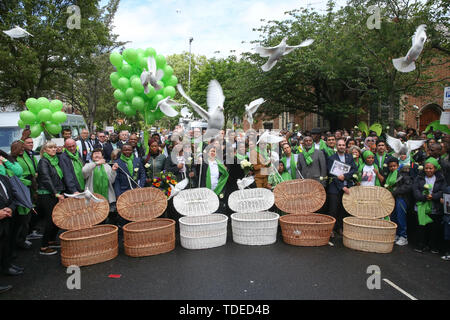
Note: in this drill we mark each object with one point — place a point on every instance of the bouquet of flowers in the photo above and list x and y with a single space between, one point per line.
163 180
246 166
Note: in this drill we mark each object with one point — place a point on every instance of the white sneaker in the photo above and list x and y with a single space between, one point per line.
396 238
402 241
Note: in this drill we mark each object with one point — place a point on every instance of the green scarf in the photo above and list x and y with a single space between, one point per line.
391 179
308 154
54 161
222 178
101 181
129 162
327 149
423 211
241 157
293 165
382 159
77 167
29 162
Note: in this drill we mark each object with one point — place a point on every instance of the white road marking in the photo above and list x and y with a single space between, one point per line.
399 289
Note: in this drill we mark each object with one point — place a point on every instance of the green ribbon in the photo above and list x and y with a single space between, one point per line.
222 179
101 181
129 162
77 167
54 161
308 154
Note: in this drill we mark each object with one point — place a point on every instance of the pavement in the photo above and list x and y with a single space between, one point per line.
238 272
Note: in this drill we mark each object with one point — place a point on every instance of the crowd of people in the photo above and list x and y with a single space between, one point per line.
110 164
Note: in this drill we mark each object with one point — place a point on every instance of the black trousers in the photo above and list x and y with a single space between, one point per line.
336 209
432 234
5 246
46 203
20 228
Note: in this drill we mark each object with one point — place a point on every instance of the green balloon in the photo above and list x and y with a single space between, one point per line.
114 78
43 103
32 105
143 62
59 117
53 128
126 71
151 93
172 81
160 61
140 51
130 55
129 111
161 84
116 59
45 115
21 124
156 99
130 94
137 85
120 106
169 91
134 77
119 95
36 130
138 103
28 117
168 72
124 83
55 105
150 52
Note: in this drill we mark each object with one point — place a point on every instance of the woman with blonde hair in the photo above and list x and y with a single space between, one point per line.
50 191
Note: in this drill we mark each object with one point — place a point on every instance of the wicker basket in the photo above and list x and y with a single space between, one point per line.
200 229
303 227
147 235
255 228
307 229
251 200
85 244
299 196
367 231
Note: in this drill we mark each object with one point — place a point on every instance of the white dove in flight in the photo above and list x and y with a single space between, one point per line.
276 53
214 116
245 182
251 108
403 148
165 105
178 187
152 76
407 64
185 113
270 137
17 32
86 195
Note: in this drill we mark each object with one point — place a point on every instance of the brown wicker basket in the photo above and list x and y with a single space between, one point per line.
85 244
147 235
366 231
303 227
299 196
307 230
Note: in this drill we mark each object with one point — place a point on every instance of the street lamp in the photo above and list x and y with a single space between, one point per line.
190 58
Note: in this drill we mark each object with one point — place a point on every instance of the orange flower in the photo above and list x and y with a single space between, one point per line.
173 182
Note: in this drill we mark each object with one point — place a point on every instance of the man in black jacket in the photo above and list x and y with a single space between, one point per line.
6 211
71 165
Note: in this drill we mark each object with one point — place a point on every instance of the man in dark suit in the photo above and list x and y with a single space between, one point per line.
106 146
71 165
339 184
129 177
7 207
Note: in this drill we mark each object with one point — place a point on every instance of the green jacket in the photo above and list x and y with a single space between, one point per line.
27 166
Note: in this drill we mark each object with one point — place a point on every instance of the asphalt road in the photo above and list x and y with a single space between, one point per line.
237 272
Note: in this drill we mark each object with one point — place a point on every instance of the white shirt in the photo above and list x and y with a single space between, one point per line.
342 158
368 176
431 181
180 159
288 161
317 146
214 170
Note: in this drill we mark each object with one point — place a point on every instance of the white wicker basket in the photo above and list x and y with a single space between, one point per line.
252 224
200 229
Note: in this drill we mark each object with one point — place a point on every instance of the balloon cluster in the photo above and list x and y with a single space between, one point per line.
129 90
42 115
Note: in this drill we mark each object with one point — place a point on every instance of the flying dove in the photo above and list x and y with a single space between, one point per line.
166 105
407 64
245 182
276 53
403 148
86 195
178 187
17 32
152 76
251 108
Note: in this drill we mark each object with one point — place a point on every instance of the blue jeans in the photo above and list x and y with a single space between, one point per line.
399 217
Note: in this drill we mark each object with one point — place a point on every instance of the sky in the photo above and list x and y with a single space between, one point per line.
216 26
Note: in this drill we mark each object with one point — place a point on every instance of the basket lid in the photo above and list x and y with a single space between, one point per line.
141 204
196 202
251 200
76 214
300 196
368 202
